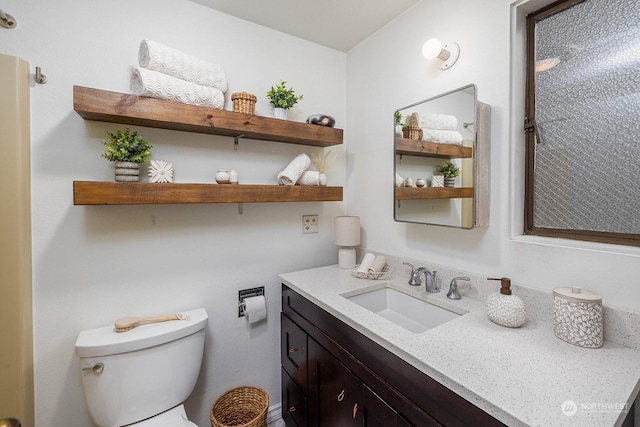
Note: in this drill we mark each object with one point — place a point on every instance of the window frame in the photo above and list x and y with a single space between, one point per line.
531 136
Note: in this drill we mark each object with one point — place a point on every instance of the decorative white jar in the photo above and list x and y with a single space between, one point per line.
222 176
577 317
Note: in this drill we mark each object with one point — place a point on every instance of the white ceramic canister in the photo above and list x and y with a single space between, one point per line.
577 317
222 176
233 177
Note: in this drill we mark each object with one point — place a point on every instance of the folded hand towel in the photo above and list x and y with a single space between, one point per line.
439 121
157 85
377 266
442 136
158 57
309 178
294 170
363 270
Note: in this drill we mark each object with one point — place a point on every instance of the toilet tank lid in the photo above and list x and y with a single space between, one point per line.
106 341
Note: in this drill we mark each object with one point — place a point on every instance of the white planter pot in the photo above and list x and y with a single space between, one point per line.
280 113
127 172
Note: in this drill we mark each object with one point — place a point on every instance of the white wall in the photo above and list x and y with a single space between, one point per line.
95 264
398 75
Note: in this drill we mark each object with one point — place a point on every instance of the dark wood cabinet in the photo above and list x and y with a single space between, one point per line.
333 376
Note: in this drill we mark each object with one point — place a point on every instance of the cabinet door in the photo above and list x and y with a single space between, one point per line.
293 343
294 403
377 413
335 394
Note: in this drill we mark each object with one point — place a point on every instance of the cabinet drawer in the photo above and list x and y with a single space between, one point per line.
294 403
293 342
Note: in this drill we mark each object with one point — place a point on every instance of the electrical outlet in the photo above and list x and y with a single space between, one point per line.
309 224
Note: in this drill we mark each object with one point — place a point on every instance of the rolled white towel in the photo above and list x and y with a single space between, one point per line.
363 269
157 85
294 170
377 266
309 178
167 60
442 136
439 121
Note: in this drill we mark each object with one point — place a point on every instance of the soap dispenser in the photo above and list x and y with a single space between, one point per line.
505 309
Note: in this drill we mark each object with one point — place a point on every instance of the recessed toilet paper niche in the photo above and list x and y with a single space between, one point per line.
247 293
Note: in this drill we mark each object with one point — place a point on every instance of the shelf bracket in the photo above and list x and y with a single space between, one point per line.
240 208
235 141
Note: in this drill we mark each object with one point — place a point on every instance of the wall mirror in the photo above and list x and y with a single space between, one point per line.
433 139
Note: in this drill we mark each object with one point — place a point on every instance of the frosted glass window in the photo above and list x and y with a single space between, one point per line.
583 109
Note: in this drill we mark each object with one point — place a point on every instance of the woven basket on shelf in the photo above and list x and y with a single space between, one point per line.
412 132
244 406
244 102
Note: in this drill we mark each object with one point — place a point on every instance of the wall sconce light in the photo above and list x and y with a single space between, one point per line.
347 235
448 53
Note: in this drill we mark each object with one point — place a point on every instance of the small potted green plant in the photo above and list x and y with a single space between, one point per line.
450 171
127 149
282 99
398 119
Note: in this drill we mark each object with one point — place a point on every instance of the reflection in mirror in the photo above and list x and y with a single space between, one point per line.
441 161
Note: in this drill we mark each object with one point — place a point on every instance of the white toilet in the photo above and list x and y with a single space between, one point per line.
141 377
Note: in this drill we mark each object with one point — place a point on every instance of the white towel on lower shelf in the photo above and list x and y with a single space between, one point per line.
442 136
167 60
157 85
294 170
439 121
309 178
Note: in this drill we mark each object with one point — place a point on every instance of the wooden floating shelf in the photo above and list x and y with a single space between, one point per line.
113 107
144 193
412 147
430 193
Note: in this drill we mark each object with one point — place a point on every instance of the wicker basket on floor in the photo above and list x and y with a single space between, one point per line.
244 102
412 132
244 406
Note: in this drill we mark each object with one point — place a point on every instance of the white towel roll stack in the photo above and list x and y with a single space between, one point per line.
157 85
167 60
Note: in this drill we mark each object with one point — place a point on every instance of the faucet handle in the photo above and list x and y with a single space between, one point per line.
453 287
414 278
413 269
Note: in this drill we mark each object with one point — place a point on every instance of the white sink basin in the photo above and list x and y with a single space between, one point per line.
404 310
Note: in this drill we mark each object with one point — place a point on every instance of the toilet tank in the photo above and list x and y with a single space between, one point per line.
134 375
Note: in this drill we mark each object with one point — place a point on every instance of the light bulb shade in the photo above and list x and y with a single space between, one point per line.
347 230
431 48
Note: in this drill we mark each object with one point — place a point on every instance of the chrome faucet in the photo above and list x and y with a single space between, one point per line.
429 278
453 288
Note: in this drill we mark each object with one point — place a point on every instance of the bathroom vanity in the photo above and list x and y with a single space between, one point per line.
343 364
334 376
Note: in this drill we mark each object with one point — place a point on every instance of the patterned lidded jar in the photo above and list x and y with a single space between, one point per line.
577 317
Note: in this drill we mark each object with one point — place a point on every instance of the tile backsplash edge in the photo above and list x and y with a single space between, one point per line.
620 326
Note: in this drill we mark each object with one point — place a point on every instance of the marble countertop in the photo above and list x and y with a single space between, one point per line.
522 377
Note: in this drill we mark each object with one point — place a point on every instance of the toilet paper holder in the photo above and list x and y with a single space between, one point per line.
247 293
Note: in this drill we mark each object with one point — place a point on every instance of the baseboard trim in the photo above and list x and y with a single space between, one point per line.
274 413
